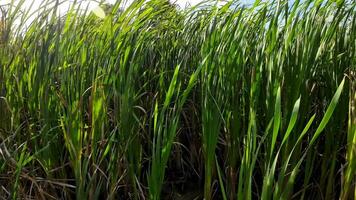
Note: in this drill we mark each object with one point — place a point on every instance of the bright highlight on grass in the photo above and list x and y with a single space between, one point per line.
149 101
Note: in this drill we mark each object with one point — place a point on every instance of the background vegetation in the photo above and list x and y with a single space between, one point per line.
155 102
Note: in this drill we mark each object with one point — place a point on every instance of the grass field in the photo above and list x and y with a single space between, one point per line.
155 102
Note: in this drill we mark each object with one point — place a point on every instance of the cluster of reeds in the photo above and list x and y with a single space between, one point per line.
155 102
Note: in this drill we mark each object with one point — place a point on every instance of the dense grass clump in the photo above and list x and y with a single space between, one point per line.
156 102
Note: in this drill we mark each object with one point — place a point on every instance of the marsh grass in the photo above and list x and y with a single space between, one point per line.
155 102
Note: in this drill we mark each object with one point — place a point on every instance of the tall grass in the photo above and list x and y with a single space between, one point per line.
152 101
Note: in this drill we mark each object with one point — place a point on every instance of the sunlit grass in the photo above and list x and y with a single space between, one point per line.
155 102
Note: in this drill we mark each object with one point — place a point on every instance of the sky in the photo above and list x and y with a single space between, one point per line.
33 5
93 4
